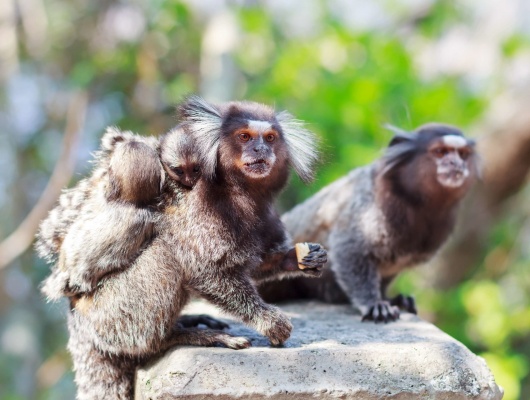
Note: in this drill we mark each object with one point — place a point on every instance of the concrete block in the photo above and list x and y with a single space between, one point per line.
330 355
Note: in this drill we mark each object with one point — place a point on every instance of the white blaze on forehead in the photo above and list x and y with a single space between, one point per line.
259 126
454 141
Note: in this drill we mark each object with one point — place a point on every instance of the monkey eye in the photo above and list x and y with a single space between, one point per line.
464 154
244 137
177 170
270 138
196 169
439 152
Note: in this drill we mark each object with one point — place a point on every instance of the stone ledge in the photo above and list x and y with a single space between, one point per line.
331 355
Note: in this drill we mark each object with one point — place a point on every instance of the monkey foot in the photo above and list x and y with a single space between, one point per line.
315 259
406 303
382 311
190 321
207 337
234 342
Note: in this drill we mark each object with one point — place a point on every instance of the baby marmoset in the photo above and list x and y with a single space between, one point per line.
103 223
383 218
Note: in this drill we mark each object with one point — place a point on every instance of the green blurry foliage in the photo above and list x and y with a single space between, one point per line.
345 84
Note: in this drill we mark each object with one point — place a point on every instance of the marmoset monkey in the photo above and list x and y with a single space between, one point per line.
383 218
180 157
102 224
211 241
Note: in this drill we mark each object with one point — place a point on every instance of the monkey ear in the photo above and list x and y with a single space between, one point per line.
400 135
471 142
203 121
112 136
301 145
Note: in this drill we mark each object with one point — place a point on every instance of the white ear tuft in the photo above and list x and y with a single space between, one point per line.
204 122
301 144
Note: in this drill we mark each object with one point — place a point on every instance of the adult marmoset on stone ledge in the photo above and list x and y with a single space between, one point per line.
382 218
214 241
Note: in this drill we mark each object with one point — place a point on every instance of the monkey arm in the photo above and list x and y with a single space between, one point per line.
99 244
54 227
358 276
282 264
233 291
280 260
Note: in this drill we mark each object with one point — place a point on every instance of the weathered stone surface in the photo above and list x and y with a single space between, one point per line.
331 355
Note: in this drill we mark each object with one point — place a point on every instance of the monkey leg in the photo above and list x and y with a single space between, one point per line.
99 375
233 291
359 278
191 321
278 265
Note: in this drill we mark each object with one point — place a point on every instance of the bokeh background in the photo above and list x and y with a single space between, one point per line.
69 68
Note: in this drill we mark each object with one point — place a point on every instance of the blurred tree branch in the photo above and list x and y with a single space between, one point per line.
504 146
16 243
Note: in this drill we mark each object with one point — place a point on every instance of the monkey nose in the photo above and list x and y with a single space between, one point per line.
190 182
261 148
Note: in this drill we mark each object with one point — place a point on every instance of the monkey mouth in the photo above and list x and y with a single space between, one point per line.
257 168
453 178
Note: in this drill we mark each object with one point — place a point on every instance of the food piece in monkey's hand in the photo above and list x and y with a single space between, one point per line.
382 311
302 250
311 257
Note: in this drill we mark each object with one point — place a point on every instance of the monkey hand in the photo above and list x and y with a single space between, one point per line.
77 284
273 324
311 258
54 287
381 311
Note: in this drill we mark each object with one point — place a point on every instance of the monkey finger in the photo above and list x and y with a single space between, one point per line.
317 259
382 311
313 247
311 264
320 258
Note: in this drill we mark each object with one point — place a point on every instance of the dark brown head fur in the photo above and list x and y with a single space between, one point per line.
180 157
144 189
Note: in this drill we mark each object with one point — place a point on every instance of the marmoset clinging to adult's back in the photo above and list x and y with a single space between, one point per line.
382 218
102 224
